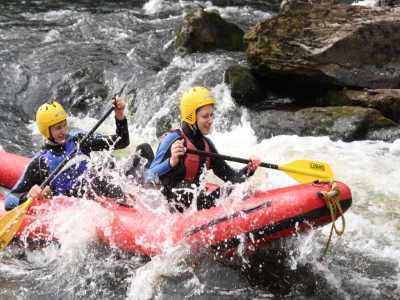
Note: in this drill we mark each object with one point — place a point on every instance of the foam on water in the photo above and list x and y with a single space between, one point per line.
370 168
368 3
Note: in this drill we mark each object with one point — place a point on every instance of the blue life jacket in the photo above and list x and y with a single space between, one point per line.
72 176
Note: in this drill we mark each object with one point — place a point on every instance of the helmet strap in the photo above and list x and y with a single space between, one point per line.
51 139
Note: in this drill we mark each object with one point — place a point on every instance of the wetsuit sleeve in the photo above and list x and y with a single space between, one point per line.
97 142
32 175
160 166
123 133
224 171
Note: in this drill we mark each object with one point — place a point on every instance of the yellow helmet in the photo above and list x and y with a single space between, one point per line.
193 99
49 114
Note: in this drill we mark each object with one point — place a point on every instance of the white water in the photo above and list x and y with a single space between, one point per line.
370 168
368 3
364 262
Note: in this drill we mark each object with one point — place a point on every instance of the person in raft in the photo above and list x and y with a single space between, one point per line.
178 171
73 180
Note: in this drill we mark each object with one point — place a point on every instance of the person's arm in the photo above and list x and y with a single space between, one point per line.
119 140
224 171
161 164
121 122
119 107
32 176
122 133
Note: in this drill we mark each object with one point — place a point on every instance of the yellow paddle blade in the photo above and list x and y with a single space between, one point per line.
305 171
11 221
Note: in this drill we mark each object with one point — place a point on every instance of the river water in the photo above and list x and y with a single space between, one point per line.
83 52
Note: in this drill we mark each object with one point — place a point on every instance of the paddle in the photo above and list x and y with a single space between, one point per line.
11 221
303 171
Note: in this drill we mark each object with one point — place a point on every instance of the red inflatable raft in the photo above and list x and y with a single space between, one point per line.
265 217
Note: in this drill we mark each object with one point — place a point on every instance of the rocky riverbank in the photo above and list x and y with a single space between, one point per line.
340 62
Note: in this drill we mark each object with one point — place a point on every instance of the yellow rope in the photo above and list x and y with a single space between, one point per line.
333 204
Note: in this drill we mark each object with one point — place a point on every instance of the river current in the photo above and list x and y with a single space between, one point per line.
81 53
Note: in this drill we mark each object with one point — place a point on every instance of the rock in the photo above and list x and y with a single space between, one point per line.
325 43
203 31
346 123
379 3
271 123
309 47
343 122
386 101
245 89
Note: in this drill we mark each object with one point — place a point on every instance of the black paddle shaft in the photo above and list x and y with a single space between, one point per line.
230 158
72 153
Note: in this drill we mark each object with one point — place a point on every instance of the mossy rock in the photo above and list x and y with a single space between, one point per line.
245 88
347 123
204 31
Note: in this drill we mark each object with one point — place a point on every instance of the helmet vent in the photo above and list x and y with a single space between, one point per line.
190 117
45 132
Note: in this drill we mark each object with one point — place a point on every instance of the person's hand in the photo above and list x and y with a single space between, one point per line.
35 192
119 107
255 162
47 193
177 150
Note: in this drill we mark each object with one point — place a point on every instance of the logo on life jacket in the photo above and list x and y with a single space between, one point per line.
315 166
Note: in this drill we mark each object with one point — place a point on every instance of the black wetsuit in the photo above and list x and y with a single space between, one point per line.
173 178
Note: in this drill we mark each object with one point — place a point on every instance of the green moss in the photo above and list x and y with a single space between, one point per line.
180 38
337 98
209 32
277 33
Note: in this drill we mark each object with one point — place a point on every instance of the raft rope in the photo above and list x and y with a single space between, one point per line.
333 204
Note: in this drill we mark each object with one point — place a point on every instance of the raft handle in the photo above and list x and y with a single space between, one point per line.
330 194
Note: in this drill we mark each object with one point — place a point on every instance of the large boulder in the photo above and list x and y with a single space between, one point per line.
386 101
325 43
346 123
203 31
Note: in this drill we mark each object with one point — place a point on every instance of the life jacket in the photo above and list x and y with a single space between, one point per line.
192 161
70 176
